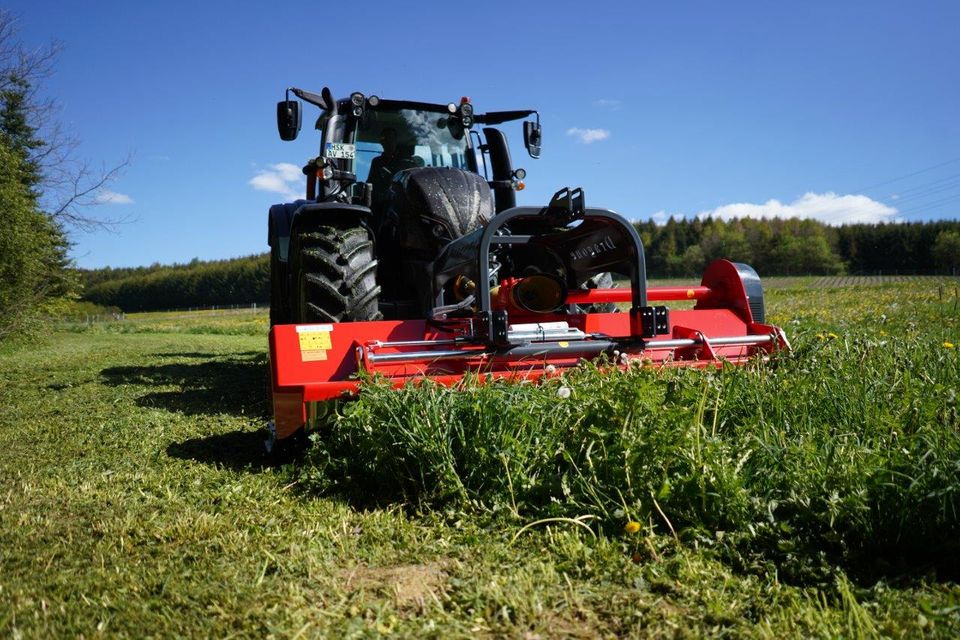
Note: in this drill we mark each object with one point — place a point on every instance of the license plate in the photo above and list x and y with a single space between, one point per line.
340 151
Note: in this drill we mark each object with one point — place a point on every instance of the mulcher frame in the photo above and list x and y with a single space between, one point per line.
316 363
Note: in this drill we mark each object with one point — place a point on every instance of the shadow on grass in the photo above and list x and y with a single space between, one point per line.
237 450
210 384
233 385
201 354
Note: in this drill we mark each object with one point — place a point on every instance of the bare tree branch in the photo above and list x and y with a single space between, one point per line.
79 189
70 187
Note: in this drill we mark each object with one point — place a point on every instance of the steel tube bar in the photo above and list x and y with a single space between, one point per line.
553 347
590 296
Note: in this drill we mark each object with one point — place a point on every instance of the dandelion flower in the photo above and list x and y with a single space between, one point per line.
563 392
949 345
820 336
832 336
632 527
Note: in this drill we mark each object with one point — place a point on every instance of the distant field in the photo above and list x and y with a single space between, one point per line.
195 317
253 319
243 321
786 282
816 496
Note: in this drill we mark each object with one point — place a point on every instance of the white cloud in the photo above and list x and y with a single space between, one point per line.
282 178
661 217
605 103
112 197
587 136
829 208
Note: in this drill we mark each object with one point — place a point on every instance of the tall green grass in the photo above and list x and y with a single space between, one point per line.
845 451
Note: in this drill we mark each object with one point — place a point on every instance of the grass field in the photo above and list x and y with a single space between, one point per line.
816 495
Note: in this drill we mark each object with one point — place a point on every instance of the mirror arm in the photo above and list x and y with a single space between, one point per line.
312 98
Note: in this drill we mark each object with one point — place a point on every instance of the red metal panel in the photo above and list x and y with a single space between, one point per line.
291 369
311 363
726 289
333 374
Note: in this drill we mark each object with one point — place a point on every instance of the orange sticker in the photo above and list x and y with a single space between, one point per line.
313 355
314 342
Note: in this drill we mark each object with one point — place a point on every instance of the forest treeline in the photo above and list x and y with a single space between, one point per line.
677 248
778 247
195 284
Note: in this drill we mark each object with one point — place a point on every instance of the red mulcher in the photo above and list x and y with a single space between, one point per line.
427 269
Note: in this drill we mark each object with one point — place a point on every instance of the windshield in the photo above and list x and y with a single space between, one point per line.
390 141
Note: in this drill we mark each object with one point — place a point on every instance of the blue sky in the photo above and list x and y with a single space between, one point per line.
820 109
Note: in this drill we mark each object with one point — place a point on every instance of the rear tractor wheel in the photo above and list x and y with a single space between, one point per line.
333 274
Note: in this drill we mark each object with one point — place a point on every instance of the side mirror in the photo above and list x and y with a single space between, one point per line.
531 138
288 119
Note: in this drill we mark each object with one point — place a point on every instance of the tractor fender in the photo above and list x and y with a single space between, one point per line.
279 223
285 218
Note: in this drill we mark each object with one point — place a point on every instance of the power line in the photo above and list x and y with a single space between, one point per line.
930 205
904 177
951 178
924 194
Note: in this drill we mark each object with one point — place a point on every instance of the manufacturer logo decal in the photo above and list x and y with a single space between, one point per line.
595 249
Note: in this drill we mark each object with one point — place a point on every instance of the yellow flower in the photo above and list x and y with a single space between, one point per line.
632 527
820 336
949 345
832 336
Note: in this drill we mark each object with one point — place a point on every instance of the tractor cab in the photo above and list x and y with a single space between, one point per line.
373 139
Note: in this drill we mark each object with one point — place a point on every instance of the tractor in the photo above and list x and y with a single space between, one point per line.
391 230
409 259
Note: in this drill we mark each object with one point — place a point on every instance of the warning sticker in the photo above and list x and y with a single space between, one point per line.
314 341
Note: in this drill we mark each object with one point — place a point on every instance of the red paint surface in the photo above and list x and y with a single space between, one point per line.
721 311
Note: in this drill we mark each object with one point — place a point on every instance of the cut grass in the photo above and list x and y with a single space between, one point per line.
136 501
